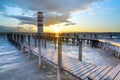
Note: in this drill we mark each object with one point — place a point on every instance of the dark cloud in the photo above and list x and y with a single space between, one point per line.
12 29
48 20
70 23
25 19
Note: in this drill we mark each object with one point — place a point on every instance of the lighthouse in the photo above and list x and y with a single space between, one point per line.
40 22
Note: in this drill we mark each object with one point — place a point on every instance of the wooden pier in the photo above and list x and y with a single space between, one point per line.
76 68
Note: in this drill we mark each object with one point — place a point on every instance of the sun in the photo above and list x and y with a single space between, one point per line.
56 29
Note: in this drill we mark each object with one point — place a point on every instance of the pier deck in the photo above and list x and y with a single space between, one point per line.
79 69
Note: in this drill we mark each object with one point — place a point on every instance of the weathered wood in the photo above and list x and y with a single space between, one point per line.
73 66
100 75
117 77
81 70
59 72
86 70
84 77
113 73
80 51
35 40
55 40
45 45
40 56
78 69
23 43
29 46
91 76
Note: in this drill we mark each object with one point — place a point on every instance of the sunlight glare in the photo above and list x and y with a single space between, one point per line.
56 29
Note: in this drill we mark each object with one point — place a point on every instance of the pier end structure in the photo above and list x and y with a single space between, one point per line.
40 22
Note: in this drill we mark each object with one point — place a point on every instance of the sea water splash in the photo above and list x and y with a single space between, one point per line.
9 55
89 54
14 65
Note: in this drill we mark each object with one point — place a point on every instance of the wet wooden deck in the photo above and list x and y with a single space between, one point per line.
78 69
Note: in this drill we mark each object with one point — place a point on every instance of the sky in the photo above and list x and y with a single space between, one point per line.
60 15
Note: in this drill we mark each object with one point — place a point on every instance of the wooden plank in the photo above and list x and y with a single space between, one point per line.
86 71
82 70
117 77
72 65
74 69
112 74
106 75
91 76
51 58
100 75
35 53
48 54
48 61
73 61
85 76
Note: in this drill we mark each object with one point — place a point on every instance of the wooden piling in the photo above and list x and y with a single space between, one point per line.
29 46
23 43
55 40
40 56
35 40
80 51
45 41
59 72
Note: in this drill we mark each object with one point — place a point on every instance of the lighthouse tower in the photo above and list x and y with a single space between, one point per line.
40 22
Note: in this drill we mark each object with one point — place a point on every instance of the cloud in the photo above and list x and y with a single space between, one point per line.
24 19
70 23
62 7
12 29
48 20
52 19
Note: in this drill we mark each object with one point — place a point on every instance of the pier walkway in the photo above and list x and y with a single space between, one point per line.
78 69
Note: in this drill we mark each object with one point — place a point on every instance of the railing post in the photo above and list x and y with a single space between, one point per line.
40 56
59 59
80 51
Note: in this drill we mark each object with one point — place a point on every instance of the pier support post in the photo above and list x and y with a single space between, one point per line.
59 76
45 42
40 56
35 41
42 40
23 43
66 40
17 40
80 51
55 40
29 46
